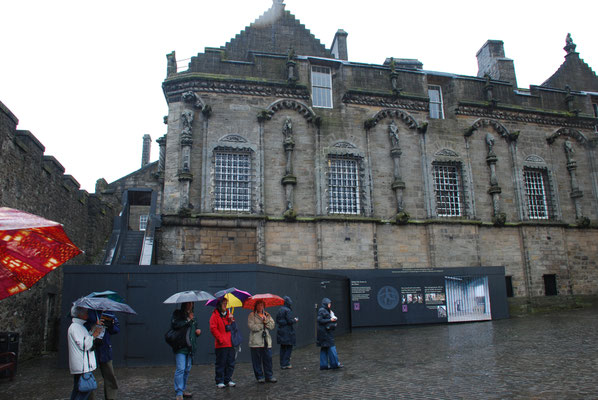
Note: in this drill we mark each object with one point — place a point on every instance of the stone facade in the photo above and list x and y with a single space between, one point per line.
252 162
34 182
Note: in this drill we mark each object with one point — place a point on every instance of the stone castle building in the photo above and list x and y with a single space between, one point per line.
283 152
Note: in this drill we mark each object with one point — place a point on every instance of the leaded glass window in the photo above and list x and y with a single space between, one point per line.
343 185
447 186
321 87
232 181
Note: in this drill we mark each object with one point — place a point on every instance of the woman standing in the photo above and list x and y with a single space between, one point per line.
184 319
220 322
285 335
325 339
260 342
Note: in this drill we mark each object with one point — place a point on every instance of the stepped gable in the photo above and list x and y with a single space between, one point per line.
276 31
574 72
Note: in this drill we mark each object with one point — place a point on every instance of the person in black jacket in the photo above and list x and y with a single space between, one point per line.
184 319
325 337
285 335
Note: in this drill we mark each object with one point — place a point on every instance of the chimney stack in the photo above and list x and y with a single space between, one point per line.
145 153
339 45
492 61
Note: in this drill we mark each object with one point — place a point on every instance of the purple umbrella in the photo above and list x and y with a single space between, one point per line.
235 297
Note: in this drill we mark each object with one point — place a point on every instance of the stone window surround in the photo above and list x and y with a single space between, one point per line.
313 85
450 157
440 102
551 197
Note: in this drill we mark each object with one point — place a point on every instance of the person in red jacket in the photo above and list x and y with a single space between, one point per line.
225 353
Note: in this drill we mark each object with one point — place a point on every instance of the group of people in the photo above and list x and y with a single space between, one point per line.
91 331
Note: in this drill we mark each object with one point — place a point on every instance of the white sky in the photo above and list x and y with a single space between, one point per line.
85 77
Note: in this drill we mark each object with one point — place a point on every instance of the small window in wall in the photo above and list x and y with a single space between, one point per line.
550 285
595 106
143 222
537 192
435 95
509 285
321 87
447 187
343 185
232 181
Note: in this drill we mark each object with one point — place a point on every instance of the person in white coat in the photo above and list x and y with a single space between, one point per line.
81 356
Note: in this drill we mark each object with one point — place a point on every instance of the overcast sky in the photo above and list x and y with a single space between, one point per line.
85 76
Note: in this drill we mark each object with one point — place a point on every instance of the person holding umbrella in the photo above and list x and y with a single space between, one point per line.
220 326
285 335
81 355
260 342
183 319
103 349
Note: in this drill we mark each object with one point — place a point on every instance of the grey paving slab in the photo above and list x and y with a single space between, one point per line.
551 356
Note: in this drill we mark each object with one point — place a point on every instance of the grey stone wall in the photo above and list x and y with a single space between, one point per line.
36 183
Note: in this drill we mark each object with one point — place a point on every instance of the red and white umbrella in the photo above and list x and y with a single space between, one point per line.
30 247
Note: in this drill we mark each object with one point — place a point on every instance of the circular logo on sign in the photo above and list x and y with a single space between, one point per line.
388 297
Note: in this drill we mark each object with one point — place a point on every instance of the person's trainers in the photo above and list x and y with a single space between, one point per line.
232 384
261 380
272 380
179 398
221 385
187 394
287 367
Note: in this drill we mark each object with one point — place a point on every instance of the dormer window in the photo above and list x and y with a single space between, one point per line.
321 87
435 95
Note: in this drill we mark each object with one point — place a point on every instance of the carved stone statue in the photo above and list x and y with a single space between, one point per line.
393 132
490 142
187 118
171 68
569 45
287 128
568 150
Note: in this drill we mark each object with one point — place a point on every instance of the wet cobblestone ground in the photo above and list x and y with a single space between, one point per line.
550 356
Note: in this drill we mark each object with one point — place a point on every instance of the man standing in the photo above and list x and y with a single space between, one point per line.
81 356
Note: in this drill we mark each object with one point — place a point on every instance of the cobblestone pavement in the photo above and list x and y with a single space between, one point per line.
550 356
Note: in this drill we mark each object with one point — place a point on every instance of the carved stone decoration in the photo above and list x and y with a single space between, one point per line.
394 75
568 132
569 45
395 153
193 99
233 139
576 193
288 180
446 153
488 89
171 68
187 121
162 158
494 190
292 77
287 104
497 126
391 113
534 159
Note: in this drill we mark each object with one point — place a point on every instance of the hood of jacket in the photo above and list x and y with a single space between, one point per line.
325 302
288 302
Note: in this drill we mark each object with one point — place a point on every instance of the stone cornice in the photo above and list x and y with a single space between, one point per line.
174 88
387 100
527 115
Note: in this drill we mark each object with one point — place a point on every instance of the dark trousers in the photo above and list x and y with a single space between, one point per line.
110 383
76 394
285 354
261 358
225 364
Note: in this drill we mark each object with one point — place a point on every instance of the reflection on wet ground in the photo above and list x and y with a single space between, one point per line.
550 356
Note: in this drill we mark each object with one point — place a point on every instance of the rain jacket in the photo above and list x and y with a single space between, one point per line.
218 323
325 337
285 319
258 331
81 357
179 321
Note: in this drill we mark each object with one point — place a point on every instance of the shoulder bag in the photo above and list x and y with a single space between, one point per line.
87 382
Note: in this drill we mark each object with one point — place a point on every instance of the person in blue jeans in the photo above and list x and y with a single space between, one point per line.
325 337
184 319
